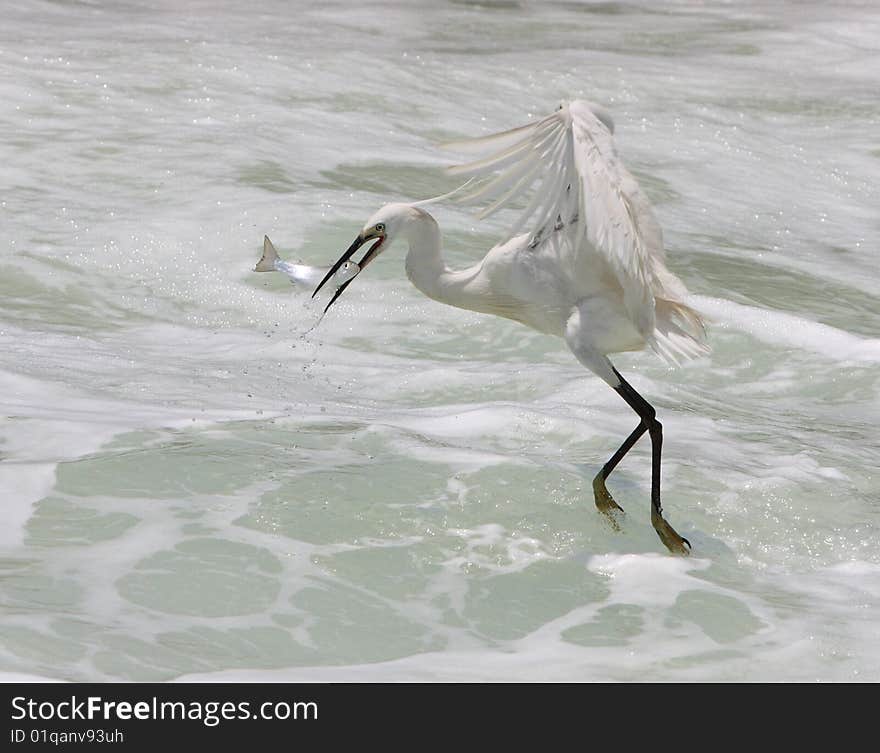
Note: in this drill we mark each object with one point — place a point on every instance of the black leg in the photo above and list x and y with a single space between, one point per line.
604 501
622 450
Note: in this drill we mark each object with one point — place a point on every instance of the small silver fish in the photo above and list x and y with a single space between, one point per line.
302 274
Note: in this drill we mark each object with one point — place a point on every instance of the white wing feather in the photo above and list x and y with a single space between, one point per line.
619 221
566 168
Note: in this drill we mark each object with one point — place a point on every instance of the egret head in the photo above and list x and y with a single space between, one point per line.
382 228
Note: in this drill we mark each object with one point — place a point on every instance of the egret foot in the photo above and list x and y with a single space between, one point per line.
674 543
606 504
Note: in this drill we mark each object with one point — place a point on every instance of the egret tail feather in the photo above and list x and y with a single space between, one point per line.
679 332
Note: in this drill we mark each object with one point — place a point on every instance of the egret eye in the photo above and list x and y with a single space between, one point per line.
380 227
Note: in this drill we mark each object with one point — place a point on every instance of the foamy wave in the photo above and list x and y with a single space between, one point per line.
787 330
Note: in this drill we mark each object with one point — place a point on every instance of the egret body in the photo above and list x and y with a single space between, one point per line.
584 262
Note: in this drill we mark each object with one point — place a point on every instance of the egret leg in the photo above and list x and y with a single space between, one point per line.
674 542
604 501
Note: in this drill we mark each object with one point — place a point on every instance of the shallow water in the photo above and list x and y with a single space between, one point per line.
193 484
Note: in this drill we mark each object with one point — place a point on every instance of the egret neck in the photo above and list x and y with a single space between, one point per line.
426 268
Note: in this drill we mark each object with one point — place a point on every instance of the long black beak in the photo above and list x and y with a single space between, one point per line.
358 242
368 257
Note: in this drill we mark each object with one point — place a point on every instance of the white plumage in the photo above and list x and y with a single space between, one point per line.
566 167
584 260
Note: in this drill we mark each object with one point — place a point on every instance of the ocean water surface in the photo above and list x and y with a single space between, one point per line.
195 481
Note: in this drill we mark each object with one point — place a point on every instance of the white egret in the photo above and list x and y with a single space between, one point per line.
584 261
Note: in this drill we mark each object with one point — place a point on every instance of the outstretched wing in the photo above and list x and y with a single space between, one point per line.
566 170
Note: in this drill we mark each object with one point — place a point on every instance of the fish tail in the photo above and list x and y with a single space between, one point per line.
269 258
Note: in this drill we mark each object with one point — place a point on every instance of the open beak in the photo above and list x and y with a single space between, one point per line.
367 258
